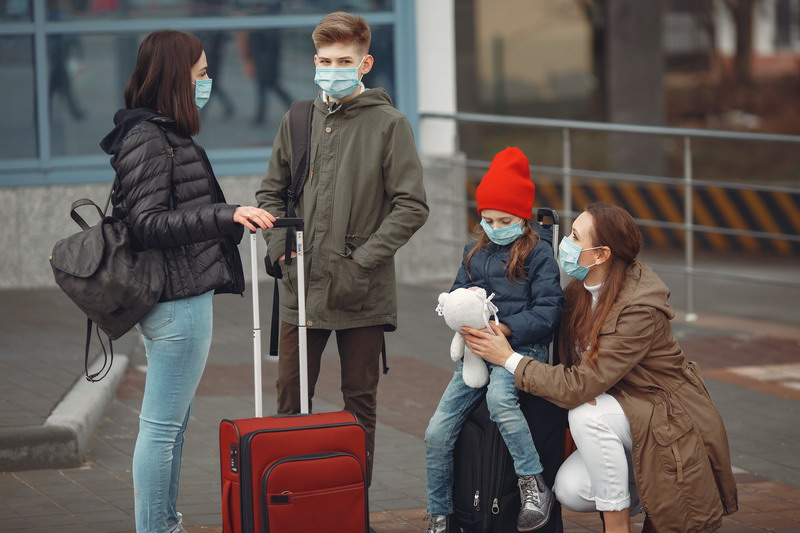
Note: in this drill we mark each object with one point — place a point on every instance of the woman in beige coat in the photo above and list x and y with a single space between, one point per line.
648 434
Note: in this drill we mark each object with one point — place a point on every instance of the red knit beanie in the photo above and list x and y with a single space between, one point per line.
507 185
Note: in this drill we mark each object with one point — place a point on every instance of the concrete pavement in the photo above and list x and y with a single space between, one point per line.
751 369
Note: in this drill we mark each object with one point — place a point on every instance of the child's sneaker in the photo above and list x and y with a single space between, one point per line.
440 523
537 501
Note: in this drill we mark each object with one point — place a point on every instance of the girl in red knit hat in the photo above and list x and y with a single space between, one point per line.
510 261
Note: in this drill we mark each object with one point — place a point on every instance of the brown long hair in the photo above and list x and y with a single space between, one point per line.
162 79
524 245
615 228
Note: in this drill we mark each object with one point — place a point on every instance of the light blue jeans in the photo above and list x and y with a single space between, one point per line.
177 337
458 401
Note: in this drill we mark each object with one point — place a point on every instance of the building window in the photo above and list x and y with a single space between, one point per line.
66 62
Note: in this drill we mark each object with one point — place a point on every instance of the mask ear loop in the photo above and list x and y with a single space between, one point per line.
358 68
595 248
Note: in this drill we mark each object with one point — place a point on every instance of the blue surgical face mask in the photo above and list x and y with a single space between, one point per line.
202 92
568 255
502 236
338 82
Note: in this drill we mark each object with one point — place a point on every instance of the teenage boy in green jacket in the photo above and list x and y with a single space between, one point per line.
362 201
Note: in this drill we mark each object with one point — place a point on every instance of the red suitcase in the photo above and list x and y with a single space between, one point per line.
294 473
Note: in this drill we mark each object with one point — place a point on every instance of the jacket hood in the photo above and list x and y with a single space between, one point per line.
125 120
642 287
368 98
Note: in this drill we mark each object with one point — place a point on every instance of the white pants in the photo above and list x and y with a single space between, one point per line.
599 476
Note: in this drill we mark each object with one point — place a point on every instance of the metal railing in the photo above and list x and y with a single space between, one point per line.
688 182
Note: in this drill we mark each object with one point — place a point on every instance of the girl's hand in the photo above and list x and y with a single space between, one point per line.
492 348
250 217
502 328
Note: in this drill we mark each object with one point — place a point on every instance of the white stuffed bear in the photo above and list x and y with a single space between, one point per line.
465 307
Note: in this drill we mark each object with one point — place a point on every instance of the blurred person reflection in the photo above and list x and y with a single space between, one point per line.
16 10
263 61
382 50
63 54
214 43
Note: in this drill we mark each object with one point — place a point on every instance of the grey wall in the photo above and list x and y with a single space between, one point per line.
34 218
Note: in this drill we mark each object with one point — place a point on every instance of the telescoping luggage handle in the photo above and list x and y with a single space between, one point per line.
541 213
297 224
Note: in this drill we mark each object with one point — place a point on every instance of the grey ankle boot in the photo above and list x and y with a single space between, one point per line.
537 502
440 523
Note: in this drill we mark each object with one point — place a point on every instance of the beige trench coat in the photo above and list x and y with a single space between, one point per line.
680 450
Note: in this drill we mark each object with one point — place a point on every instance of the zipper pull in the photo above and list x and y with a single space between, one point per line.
234 458
495 507
477 501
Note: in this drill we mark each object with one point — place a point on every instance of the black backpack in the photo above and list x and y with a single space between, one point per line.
107 277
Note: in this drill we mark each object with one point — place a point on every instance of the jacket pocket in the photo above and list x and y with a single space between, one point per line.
679 444
288 284
348 285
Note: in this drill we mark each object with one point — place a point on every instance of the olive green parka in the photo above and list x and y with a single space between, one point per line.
680 458
362 201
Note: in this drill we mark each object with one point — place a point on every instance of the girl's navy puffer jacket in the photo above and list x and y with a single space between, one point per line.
169 197
531 307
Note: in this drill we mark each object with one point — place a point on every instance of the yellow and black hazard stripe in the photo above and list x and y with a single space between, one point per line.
761 211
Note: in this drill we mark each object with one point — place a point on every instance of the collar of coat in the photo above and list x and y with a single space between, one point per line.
368 98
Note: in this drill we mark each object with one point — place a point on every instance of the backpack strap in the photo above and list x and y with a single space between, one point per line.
300 114
300 136
107 361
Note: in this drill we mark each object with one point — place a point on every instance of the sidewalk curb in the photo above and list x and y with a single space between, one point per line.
63 440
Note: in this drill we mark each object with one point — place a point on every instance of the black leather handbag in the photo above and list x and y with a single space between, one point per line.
112 281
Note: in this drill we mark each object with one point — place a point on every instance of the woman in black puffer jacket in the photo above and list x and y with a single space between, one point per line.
170 199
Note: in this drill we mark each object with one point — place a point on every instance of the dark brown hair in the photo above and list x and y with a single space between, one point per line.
615 228
524 245
162 78
343 28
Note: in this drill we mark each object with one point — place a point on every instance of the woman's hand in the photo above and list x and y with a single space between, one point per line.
493 348
250 217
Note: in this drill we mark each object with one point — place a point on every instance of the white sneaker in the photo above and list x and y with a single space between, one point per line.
179 528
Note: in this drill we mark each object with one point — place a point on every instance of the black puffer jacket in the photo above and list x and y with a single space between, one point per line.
170 198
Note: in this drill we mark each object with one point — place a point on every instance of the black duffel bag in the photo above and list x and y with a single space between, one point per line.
109 279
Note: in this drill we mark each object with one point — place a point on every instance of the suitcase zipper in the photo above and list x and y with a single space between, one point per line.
497 446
